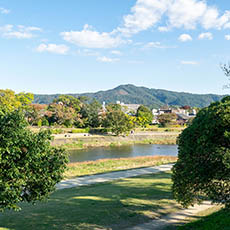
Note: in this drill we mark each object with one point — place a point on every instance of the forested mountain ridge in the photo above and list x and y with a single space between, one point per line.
131 94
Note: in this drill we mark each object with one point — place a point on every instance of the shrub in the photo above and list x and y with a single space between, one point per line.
86 130
39 123
57 131
203 166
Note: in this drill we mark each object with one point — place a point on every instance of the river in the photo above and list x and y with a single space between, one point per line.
122 151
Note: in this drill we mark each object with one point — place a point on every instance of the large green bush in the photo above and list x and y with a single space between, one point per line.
203 167
29 166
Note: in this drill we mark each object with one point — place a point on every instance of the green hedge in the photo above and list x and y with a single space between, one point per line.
86 130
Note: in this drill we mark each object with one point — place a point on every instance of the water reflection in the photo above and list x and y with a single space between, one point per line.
122 151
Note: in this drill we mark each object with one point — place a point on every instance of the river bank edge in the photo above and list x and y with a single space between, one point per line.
87 168
85 141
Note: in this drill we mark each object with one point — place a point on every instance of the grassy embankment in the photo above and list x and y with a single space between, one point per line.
111 165
111 141
216 218
153 135
61 130
113 205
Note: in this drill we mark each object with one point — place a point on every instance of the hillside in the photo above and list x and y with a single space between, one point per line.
131 94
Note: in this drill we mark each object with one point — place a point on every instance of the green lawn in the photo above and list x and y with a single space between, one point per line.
215 220
114 205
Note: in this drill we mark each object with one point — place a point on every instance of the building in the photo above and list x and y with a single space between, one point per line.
129 108
182 119
183 115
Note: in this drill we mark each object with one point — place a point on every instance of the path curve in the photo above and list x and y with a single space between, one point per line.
175 219
99 178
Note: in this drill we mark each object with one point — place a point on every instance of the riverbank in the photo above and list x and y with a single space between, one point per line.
84 141
112 165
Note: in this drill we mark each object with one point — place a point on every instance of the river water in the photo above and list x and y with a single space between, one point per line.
122 151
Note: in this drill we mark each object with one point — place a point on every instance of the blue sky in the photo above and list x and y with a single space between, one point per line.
79 46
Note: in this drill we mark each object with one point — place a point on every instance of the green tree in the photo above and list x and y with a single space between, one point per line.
90 113
144 116
118 122
61 115
113 107
29 166
69 101
203 166
83 99
10 101
35 112
167 119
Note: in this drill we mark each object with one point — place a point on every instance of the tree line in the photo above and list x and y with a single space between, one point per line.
80 112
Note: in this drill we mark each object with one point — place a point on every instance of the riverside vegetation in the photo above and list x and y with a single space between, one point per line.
113 142
81 113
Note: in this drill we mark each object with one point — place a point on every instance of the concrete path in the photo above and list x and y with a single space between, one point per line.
175 219
86 180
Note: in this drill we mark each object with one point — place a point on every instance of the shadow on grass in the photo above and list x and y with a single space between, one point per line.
112 205
219 220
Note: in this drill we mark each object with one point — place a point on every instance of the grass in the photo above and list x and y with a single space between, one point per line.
149 128
74 145
166 140
113 205
211 219
155 128
110 165
81 144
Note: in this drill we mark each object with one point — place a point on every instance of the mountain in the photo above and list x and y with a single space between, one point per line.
131 94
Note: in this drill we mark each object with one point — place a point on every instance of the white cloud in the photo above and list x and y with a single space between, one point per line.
107 59
185 38
212 19
227 37
90 38
20 32
163 28
187 14
53 48
189 63
29 28
157 45
207 35
144 15
4 11
116 52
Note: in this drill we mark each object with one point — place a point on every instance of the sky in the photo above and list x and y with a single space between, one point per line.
78 46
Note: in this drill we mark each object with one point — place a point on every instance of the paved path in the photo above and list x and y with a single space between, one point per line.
175 219
86 180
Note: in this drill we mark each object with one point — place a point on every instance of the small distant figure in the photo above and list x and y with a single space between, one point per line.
132 131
